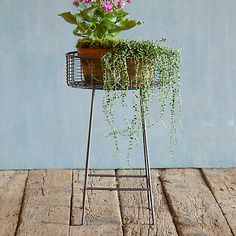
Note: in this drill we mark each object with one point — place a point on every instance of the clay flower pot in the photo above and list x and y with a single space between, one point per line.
91 65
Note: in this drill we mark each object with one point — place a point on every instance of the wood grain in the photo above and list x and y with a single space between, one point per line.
46 203
102 206
193 206
188 202
12 184
223 185
96 230
43 229
135 215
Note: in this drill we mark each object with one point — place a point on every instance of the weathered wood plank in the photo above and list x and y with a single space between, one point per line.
223 185
12 184
102 206
135 215
96 230
44 229
46 203
193 205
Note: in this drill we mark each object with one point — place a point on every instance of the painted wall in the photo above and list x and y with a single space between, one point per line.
43 122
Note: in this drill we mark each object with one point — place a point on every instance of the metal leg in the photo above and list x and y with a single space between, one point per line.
146 159
87 156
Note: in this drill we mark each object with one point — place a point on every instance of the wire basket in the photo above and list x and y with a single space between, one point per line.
75 69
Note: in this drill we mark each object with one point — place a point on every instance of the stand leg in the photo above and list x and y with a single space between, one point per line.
146 159
87 156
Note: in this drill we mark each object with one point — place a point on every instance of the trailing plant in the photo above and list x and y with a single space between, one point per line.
149 60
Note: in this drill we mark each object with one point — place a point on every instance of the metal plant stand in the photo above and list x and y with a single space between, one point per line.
75 79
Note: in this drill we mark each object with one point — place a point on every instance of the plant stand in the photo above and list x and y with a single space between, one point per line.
75 79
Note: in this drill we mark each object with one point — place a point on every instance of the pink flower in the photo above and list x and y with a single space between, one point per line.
76 3
108 6
129 1
121 3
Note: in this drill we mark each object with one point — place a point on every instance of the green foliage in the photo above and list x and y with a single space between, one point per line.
129 62
150 59
94 23
68 17
97 43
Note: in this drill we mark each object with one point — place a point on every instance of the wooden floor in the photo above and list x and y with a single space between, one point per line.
195 202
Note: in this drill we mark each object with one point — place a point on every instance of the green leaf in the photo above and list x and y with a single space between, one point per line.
70 18
99 13
87 14
129 24
117 29
78 18
121 13
112 18
107 23
83 29
100 31
77 33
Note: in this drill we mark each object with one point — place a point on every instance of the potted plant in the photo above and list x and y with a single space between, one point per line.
97 24
118 64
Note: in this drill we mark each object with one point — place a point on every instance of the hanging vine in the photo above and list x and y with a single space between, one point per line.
137 64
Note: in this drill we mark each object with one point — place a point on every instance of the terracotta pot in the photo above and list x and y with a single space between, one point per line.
92 65
93 69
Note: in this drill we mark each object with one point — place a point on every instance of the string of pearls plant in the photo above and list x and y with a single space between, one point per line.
149 60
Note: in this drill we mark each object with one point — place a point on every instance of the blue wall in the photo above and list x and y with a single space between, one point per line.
43 122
